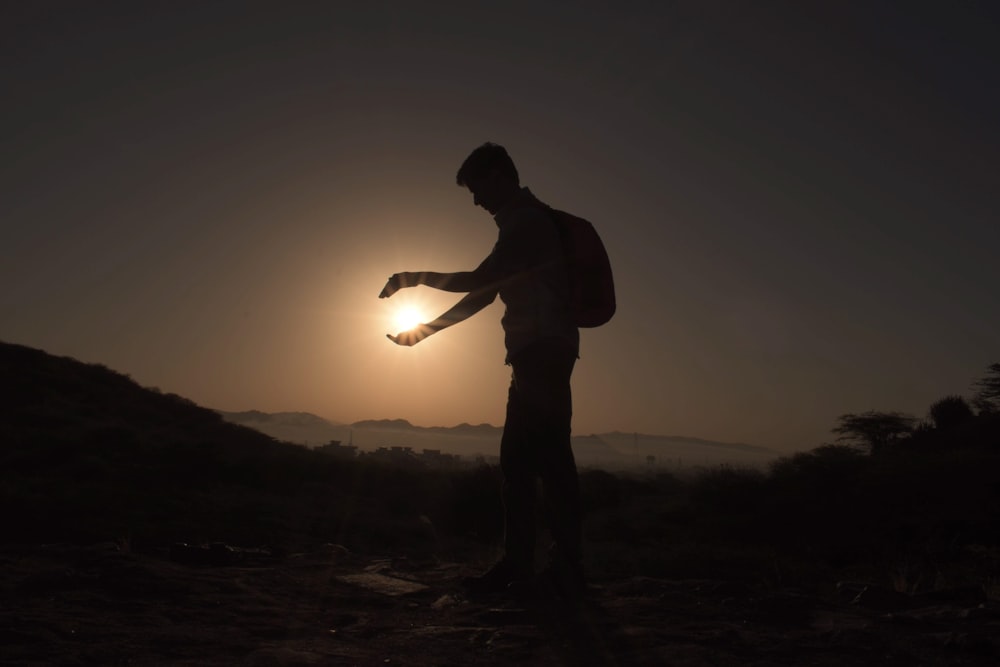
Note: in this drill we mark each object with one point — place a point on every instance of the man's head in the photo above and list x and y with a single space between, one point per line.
491 177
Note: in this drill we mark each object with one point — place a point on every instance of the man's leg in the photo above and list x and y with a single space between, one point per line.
556 463
542 375
562 502
519 473
536 444
518 464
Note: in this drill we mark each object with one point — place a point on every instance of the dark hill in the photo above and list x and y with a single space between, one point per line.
46 400
89 455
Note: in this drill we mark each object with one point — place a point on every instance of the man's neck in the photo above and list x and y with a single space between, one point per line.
515 197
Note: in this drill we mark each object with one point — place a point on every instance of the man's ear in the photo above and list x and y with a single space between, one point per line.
499 178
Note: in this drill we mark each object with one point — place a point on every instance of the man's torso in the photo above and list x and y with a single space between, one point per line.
537 295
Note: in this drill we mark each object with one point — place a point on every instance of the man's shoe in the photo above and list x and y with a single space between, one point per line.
495 580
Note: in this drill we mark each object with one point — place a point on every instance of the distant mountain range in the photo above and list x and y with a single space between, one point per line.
611 450
44 398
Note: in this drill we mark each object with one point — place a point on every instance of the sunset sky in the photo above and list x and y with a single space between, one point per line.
800 204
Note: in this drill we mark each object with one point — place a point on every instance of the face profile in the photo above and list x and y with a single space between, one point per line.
491 192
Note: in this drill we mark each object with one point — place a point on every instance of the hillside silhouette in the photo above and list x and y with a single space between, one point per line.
89 455
140 528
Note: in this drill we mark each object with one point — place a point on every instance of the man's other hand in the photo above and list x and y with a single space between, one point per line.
411 337
396 282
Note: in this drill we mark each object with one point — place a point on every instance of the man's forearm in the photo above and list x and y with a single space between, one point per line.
461 281
470 304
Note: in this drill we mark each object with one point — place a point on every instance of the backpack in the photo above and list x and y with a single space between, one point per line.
592 287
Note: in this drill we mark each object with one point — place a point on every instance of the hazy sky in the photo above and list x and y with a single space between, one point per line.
800 203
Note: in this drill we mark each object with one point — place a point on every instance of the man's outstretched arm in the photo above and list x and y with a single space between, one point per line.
468 306
460 281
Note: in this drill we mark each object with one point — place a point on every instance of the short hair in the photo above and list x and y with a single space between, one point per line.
483 160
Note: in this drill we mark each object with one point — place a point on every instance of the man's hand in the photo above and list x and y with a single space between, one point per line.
411 337
396 282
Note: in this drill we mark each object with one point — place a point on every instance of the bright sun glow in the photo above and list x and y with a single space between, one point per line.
407 317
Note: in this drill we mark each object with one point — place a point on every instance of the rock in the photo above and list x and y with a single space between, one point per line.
383 584
335 552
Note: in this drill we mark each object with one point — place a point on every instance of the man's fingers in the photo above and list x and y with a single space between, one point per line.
392 285
411 337
408 338
404 338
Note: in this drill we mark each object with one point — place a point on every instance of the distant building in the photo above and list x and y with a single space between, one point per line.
434 458
334 448
427 458
395 454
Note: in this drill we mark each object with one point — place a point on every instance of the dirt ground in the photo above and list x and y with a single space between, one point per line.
105 605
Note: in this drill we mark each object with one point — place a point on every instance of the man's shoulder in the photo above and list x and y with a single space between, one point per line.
524 205
529 217
529 227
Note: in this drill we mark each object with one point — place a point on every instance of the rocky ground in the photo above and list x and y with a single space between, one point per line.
106 605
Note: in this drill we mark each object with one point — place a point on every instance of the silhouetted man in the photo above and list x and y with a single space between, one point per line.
527 268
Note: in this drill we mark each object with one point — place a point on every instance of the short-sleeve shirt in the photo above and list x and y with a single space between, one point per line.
536 291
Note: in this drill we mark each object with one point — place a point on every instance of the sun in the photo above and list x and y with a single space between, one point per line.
407 317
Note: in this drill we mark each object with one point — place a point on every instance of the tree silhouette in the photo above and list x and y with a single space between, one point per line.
987 398
949 412
872 429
